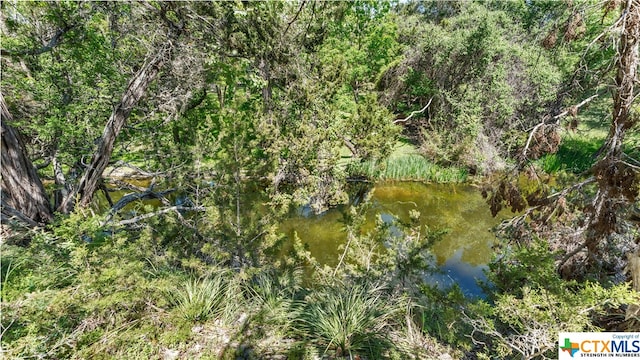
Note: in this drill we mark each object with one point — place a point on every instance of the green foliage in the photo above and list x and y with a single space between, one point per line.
439 315
371 130
198 300
251 114
62 97
530 304
275 300
349 321
504 82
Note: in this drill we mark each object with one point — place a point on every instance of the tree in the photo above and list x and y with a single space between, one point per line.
167 15
135 90
481 75
22 194
589 213
617 179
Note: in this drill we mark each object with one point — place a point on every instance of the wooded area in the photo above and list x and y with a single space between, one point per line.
215 121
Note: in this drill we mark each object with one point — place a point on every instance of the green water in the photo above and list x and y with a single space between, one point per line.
463 252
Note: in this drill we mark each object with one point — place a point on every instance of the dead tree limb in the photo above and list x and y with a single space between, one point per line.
555 121
129 198
414 113
159 212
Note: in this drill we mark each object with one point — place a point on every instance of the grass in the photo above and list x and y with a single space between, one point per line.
577 152
349 321
404 164
198 300
576 155
408 167
276 301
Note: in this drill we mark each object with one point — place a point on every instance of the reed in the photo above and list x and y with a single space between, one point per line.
409 167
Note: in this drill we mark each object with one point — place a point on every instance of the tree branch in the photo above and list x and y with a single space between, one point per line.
55 41
414 113
572 109
576 107
9 215
138 196
159 212
294 18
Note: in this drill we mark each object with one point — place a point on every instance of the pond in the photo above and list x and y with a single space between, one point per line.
462 254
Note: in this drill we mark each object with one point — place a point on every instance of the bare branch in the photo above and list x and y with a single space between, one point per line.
533 131
159 212
556 121
576 107
294 18
414 113
138 196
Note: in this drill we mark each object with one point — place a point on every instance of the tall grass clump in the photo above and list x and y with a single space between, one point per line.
275 297
199 300
410 167
349 321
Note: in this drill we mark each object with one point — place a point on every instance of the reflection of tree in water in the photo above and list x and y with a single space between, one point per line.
460 209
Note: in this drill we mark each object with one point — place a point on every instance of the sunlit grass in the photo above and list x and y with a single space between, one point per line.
410 167
199 300
575 155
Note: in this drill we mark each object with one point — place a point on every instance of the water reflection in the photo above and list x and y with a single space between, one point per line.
463 252
456 271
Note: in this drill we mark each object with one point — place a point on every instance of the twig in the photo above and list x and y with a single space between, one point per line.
159 212
294 18
414 113
344 253
556 118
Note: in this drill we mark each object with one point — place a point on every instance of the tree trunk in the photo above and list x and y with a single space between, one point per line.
136 89
265 73
615 178
22 193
